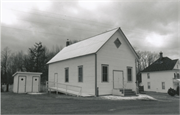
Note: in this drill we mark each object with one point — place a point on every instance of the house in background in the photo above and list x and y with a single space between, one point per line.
101 65
161 75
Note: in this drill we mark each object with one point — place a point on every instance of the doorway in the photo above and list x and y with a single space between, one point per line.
118 79
56 79
35 84
22 84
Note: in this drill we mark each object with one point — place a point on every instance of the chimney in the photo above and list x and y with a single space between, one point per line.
67 42
160 55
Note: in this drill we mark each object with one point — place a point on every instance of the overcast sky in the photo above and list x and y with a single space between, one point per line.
149 25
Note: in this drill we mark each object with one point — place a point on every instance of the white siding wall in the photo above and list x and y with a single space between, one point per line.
117 59
15 84
88 62
156 79
28 83
177 66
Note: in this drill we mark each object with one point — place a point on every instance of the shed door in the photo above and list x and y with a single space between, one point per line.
35 84
22 84
55 79
118 79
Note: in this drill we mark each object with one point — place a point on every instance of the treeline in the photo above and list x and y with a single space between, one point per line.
34 60
146 58
36 57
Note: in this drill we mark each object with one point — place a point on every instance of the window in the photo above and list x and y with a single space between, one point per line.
66 74
178 77
117 43
163 85
129 74
80 73
174 75
148 75
104 73
149 86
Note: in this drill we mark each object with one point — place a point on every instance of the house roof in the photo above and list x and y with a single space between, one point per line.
85 47
161 65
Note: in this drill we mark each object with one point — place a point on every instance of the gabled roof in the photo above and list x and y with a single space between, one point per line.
85 47
161 65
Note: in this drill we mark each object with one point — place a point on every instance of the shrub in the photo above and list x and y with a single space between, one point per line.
171 92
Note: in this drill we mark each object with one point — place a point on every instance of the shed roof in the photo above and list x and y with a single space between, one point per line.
85 47
161 65
32 73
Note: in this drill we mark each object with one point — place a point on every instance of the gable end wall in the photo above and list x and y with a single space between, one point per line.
117 59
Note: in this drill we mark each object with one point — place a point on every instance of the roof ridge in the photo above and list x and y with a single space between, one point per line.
100 33
94 36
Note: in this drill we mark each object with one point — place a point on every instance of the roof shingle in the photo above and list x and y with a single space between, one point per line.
161 65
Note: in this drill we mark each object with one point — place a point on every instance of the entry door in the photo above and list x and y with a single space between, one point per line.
35 84
118 79
55 79
22 84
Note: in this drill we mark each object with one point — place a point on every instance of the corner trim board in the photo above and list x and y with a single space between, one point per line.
96 75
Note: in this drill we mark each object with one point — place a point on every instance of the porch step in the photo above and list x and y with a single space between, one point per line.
128 92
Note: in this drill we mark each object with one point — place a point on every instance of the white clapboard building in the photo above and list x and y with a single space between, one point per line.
161 75
100 65
26 82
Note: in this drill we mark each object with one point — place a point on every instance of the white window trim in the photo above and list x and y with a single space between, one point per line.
106 65
81 66
131 74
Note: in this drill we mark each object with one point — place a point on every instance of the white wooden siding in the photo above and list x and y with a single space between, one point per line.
177 65
117 59
28 83
88 62
28 78
15 84
156 79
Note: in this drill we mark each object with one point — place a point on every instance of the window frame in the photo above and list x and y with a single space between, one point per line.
67 74
163 86
148 75
117 45
128 74
81 66
178 76
175 76
148 85
104 65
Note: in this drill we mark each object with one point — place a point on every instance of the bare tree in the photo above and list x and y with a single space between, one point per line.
4 67
146 59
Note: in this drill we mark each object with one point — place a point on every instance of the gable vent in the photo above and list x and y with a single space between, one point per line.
117 43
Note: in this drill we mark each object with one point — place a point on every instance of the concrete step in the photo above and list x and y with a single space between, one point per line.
130 95
128 92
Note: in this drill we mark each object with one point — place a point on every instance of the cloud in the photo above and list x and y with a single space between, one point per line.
151 26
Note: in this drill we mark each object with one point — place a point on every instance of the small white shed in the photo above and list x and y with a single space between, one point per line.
25 82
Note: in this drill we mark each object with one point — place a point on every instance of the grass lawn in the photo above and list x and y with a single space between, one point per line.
12 103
